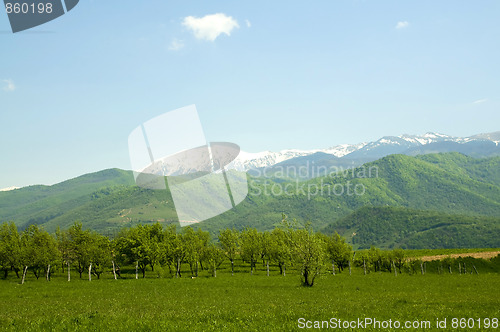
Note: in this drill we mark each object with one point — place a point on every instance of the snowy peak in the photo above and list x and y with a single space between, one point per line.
376 149
9 188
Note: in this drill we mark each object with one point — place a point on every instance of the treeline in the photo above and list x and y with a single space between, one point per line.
150 247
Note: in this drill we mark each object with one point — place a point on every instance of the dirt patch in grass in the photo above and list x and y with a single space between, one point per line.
483 255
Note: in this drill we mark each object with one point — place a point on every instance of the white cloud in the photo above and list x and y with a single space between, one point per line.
209 27
479 101
175 45
248 23
9 85
402 25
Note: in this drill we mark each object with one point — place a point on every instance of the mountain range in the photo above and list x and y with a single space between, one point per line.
321 161
411 199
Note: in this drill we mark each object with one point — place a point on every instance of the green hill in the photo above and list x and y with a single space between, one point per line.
389 227
450 183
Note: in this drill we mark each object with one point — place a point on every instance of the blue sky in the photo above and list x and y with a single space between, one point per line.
289 75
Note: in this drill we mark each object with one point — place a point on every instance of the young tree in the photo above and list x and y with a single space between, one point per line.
39 250
100 253
78 250
195 244
229 241
215 257
338 251
141 245
309 254
10 249
281 249
250 246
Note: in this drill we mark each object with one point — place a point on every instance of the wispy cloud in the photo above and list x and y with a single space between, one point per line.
480 101
175 45
248 23
402 25
210 27
9 85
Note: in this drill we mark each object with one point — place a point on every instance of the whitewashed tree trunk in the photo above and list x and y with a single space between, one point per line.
349 267
421 268
284 270
24 274
69 272
232 268
48 273
136 270
114 270
268 268
90 269
364 266
333 267
394 266
459 268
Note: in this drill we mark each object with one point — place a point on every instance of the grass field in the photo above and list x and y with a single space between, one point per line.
242 301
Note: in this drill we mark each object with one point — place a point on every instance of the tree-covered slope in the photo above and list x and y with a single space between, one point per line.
449 183
389 227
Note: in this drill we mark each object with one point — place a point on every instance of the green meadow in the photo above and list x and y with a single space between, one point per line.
246 302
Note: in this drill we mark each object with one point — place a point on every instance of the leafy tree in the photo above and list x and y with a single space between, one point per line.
195 243
39 250
141 245
99 253
399 256
215 257
250 246
10 249
229 240
77 243
309 254
281 250
338 251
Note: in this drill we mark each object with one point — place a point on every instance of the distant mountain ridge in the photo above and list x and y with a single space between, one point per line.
450 183
346 156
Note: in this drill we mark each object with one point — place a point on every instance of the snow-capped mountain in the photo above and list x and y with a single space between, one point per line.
248 160
352 155
363 151
9 188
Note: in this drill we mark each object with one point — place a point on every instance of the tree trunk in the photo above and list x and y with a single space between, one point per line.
196 269
48 273
178 269
475 268
232 267
333 267
24 274
422 268
459 268
136 270
267 268
284 270
90 269
394 266
114 270
69 272
349 267
364 266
